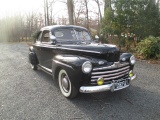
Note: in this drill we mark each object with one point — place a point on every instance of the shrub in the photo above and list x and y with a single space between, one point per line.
35 34
122 42
149 47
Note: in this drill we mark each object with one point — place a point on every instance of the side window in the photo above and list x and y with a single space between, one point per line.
64 34
45 36
39 37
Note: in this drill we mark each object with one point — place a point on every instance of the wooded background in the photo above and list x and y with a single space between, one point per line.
112 18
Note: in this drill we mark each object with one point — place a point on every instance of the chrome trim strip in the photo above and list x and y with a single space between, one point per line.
78 50
108 87
115 65
114 74
134 77
102 88
49 71
56 61
109 78
105 82
111 71
93 89
65 48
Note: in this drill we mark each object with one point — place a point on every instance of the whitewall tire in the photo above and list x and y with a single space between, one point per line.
66 86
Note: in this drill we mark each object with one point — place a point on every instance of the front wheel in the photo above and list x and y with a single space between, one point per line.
34 67
66 86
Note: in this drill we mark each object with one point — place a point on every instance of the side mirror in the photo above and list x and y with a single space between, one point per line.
53 40
96 38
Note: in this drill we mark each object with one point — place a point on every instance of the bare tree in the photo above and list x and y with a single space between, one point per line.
48 11
50 6
99 14
99 9
70 6
78 11
87 18
45 17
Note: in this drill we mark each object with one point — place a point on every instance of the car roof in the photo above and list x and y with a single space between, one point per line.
52 27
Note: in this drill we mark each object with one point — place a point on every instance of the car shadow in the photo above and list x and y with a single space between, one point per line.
48 78
133 102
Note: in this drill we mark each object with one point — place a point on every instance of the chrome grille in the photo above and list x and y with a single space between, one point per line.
109 73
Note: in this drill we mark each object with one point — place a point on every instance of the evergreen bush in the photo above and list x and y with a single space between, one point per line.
149 48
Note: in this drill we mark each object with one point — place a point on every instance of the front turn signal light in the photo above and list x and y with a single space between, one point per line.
131 74
100 81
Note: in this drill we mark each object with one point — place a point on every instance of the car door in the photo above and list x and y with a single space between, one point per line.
37 47
45 49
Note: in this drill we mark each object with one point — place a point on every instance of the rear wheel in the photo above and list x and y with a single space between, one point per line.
33 60
66 86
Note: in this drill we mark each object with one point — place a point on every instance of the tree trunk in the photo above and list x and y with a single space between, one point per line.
45 20
100 14
51 20
87 18
70 7
47 12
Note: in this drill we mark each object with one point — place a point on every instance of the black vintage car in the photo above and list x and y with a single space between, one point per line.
80 64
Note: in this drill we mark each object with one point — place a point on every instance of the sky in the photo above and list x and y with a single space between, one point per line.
12 7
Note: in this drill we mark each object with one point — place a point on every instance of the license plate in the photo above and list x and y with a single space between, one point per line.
120 84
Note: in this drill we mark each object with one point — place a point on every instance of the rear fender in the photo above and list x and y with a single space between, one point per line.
31 49
32 56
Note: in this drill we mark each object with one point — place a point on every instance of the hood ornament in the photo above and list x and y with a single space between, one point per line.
100 62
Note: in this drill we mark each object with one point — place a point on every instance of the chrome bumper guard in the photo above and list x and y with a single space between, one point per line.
102 88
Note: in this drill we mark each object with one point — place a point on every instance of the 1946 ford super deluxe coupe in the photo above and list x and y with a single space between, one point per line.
80 64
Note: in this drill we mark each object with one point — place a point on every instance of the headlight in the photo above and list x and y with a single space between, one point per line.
87 67
132 60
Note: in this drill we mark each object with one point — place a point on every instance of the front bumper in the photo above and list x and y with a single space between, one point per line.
108 87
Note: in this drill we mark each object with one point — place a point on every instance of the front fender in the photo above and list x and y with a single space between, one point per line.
125 57
72 64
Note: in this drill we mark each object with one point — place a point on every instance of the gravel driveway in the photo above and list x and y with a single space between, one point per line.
33 95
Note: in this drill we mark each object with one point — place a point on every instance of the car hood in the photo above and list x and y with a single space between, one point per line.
105 51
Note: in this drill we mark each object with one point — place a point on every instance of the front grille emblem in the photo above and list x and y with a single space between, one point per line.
117 64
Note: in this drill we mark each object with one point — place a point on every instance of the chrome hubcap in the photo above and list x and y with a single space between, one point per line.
65 84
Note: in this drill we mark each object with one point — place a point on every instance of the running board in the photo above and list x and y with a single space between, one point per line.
47 70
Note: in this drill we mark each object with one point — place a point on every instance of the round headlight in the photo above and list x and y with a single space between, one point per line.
132 60
87 67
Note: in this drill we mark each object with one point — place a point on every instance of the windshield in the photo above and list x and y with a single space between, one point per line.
72 35
82 35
